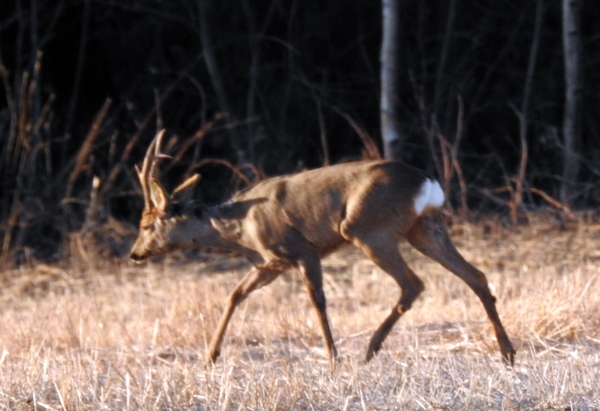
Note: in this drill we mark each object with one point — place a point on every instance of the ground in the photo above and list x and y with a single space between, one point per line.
122 337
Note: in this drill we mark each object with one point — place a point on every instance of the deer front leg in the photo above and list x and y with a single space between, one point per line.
411 287
255 279
382 249
310 268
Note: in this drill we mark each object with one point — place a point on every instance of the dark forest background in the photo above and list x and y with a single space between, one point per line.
248 89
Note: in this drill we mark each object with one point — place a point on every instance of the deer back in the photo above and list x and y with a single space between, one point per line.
313 204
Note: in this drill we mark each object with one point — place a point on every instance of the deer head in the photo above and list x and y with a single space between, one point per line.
163 225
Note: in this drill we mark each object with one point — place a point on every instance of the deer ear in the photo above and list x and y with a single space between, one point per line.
158 197
187 184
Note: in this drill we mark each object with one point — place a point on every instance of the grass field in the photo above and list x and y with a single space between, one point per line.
121 337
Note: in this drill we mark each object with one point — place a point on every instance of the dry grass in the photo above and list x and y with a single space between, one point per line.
127 338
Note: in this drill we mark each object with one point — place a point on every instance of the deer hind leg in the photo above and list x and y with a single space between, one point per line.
382 249
429 236
255 279
310 268
388 258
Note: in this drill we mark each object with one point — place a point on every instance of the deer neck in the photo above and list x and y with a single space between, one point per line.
195 230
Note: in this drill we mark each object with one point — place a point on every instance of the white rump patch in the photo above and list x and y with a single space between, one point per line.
430 195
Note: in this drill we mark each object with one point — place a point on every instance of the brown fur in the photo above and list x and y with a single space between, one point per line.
293 221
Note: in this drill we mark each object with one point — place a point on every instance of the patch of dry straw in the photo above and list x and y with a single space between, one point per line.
129 338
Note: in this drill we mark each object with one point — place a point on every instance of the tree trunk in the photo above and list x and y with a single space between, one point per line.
439 83
218 83
523 115
83 39
253 72
572 116
390 132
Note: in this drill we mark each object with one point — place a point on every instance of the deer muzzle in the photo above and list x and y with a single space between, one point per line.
136 256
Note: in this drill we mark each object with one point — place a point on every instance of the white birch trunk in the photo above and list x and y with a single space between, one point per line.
572 115
390 131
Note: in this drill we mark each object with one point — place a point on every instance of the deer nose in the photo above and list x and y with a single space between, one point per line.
136 257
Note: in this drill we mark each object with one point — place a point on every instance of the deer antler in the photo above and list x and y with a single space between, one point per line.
153 173
149 167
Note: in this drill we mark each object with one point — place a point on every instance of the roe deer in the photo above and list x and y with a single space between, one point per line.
294 221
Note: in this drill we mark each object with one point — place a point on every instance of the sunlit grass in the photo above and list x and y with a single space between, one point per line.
134 338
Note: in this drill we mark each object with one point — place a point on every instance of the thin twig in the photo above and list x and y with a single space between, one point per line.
553 202
86 147
372 152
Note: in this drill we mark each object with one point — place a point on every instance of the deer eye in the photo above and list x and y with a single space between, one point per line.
148 227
